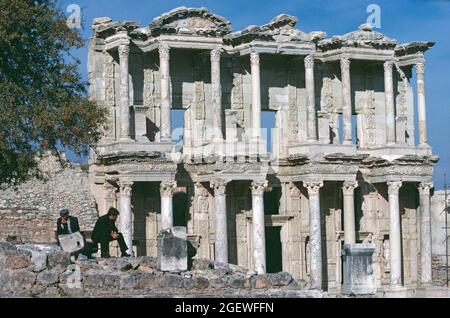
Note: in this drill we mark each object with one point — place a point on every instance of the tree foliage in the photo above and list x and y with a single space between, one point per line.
43 103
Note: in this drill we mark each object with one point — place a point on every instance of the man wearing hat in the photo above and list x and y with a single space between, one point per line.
66 224
105 231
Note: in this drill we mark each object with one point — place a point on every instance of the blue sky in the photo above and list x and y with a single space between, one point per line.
400 19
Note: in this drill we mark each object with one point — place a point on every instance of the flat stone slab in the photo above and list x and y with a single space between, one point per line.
358 270
172 250
71 243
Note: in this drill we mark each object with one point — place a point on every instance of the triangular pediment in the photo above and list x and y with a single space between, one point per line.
190 21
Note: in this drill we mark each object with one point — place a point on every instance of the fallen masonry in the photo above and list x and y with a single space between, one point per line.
30 270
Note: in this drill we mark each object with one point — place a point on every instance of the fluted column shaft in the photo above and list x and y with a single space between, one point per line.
347 134
258 227
166 189
126 220
164 70
425 233
389 100
310 98
421 106
220 221
256 95
348 190
395 233
125 132
315 236
216 93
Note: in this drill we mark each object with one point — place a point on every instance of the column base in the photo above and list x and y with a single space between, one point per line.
125 140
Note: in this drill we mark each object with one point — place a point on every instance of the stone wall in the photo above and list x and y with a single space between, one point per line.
28 212
45 271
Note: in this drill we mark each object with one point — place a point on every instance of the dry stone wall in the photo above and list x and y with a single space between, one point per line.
28 270
28 212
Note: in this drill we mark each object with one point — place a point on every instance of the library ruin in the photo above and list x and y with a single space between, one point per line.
344 165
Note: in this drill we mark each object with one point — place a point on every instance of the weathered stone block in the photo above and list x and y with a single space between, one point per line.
201 283
14 259
58 259
172 250
47 278
280 279
358 271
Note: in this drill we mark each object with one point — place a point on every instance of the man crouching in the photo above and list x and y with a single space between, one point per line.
105 231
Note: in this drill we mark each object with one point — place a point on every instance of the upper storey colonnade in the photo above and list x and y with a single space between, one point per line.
198 29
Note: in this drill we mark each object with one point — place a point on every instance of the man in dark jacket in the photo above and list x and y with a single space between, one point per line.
105 231
66 224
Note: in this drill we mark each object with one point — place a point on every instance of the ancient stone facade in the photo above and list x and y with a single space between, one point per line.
345 166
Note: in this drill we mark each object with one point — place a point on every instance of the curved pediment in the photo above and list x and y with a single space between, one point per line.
190 21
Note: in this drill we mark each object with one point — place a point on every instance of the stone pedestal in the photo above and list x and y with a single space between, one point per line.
358 272
172 250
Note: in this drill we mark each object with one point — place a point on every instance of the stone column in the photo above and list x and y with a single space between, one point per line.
256 95
348 189
420 74
125 133
166 189
164 72
216 93
126 219
220 221
425 233
310 99
395 234
347 135
389 100
258 226
315 236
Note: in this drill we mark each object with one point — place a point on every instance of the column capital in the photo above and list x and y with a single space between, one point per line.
309 61
394 187
387 65
219 186
313 186
109 189
125 187
254 58
215 55
124 51
420 68
345 63
258 187
425 187
164 52
166 188
348 187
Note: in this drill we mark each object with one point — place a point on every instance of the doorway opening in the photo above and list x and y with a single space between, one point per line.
274 256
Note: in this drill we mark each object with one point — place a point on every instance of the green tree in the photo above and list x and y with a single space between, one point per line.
43 103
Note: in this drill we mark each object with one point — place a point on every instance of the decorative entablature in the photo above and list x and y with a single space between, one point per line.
278 36
410 168
330 167
364 44
412 52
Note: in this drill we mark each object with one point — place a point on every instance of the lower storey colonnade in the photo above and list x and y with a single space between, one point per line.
222 219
